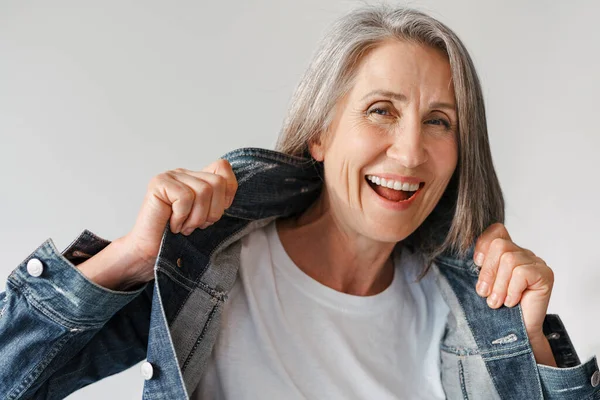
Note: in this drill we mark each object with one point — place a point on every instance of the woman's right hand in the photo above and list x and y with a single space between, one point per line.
188 200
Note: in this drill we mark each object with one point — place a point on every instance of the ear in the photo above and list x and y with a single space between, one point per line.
317 148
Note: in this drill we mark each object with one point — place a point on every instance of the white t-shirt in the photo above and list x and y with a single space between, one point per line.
284 335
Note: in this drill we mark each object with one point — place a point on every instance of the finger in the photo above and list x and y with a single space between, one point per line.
223 168
178 196
491 261
536 276
484 241
203 192
509 261
522 276
218 187
217 201
516 287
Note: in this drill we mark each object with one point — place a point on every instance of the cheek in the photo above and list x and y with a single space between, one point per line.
364 144
354 147
351 150
445 156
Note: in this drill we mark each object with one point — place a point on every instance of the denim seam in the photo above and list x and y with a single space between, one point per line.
215 294
518 347
463 383
539 380
269 155
78 242
217 249
200 338
459 351
188 283
460 303
501 357
232 238
203 286
176 277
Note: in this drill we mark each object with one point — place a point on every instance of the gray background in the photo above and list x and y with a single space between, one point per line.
97 98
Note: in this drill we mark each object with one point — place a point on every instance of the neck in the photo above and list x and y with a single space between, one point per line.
337 257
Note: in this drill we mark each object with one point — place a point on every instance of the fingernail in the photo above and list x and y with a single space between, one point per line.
492 300
508 301
228 200
482 289
188 231
205 225
479 259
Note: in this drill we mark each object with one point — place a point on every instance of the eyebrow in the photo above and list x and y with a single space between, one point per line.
447 106
385 93
401 97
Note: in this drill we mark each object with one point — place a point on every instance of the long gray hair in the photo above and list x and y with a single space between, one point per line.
473 199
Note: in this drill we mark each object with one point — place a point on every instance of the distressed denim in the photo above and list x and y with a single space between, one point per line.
60 332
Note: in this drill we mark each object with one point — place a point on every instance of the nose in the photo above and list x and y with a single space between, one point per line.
408 146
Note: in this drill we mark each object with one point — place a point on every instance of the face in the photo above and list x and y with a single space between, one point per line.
396 127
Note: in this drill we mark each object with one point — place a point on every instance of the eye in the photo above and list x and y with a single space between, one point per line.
439 122
379 111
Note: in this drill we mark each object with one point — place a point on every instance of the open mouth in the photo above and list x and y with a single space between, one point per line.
390 193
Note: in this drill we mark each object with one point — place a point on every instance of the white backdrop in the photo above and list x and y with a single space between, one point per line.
97 98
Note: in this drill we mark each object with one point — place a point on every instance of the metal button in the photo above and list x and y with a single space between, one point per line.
596 378
553 335
147 370
35 267
179 262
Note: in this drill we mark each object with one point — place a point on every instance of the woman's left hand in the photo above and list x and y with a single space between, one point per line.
511 274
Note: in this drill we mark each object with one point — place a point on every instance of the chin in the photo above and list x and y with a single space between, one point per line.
388 234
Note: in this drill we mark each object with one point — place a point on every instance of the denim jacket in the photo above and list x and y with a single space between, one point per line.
60 332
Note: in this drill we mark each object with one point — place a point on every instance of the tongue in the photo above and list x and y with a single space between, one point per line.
391 194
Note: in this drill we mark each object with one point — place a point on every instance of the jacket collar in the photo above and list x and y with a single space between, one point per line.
274 184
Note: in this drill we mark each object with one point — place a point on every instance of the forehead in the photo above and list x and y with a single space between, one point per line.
404 67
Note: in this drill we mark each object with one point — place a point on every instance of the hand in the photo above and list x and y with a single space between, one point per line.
188 200
511 274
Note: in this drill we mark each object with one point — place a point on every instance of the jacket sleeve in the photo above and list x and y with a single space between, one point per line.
572 380
60 331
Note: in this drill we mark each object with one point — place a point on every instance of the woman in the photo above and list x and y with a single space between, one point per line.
365 259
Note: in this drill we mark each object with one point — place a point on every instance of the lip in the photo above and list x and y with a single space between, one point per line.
407 179
394 205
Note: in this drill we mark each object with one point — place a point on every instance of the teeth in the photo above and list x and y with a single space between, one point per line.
392 184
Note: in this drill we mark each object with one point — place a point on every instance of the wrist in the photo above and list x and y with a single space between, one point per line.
541 349
116 267
135 268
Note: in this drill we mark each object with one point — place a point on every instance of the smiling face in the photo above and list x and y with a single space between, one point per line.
395 129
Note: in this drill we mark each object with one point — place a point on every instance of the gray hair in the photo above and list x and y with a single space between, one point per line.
473 199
